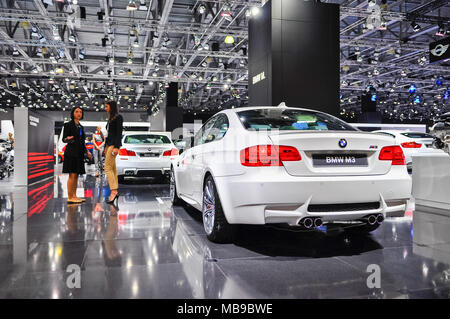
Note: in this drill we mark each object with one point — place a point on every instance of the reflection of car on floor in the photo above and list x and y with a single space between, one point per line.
137 214
145 155
412 143
262 165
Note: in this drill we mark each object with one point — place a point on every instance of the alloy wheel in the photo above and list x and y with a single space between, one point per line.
209 207
172 186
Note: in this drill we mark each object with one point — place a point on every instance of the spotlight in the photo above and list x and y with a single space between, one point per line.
374 97
226 13
229 39
441 30
415 26
417 99
255 11
201 9
56 35
131 6
383 25
143 6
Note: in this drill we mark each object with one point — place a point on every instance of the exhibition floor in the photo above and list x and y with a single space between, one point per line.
148 249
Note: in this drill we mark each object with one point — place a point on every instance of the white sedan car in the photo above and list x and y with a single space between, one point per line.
261 165
145 154
412 143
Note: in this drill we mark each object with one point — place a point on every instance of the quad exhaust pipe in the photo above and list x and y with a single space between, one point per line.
374 219
380 218
315 222
310 222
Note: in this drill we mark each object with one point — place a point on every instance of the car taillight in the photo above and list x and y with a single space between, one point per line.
411 145
172 152
269 155
392 153
125 152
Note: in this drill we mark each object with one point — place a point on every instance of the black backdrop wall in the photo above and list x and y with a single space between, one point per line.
294 55
174 114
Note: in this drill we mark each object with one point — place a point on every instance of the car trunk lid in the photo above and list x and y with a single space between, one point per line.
334 153
148 151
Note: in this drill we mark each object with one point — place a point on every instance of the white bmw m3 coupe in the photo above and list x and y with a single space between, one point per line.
262 165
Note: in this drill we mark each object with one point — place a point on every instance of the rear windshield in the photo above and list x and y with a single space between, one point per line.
291 119
147 139
417 135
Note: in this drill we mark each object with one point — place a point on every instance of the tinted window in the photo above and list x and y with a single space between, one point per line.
201 135
291 119
219 128
417 135
147 139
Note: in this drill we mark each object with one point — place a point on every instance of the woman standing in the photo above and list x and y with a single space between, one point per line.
113 143
74 154
99 140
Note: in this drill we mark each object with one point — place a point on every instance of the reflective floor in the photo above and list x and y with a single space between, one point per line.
145 248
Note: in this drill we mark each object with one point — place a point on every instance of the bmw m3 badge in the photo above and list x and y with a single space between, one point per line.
342 143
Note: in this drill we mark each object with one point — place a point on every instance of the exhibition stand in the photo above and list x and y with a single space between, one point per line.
431 219
431 180
34 147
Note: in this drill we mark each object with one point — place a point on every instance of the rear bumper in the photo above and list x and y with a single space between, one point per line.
282 198
152 167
